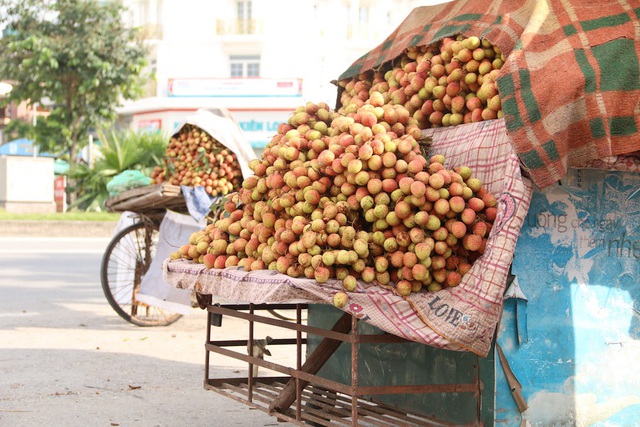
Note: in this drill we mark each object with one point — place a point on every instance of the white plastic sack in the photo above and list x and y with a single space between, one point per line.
175 230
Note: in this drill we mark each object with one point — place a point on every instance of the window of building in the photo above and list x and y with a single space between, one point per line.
244 9
253 69
244 23
245 66
146 14
236 69
363 16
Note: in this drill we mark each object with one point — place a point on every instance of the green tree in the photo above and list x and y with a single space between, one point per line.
78 57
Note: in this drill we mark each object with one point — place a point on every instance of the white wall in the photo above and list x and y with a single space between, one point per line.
189 48
305 39
26 184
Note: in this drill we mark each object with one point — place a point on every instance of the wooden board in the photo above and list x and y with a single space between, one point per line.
152 197
314 363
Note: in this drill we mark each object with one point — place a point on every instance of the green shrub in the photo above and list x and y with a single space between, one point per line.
118 151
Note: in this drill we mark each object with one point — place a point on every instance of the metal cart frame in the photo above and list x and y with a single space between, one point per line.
299 395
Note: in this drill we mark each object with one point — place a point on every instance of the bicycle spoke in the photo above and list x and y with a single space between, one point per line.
126 262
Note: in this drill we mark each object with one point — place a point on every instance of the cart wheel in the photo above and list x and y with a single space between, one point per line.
124 264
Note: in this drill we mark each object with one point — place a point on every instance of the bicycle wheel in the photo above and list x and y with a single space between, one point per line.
126 260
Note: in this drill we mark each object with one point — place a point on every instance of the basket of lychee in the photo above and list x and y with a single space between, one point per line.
194 158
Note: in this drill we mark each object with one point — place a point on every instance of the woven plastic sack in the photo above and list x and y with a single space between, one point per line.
127 180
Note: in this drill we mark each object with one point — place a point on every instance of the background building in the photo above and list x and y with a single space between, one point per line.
260 59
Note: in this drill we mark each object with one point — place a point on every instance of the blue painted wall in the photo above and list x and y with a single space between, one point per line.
20 147
578 263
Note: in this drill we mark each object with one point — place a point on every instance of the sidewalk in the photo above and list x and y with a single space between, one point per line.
31 228
68 360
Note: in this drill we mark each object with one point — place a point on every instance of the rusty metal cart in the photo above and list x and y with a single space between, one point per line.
299 392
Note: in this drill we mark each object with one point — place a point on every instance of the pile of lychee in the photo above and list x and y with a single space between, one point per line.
194 158
352 196
447 83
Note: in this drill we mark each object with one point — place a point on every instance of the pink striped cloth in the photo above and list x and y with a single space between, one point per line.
463 318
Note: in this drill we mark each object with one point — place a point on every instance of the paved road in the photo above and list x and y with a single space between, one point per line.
66 358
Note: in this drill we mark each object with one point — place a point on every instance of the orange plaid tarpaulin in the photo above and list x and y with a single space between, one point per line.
570 85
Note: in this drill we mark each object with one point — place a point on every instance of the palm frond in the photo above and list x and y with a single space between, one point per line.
119 151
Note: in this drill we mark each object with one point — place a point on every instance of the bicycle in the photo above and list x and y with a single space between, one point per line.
128 255
125 262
